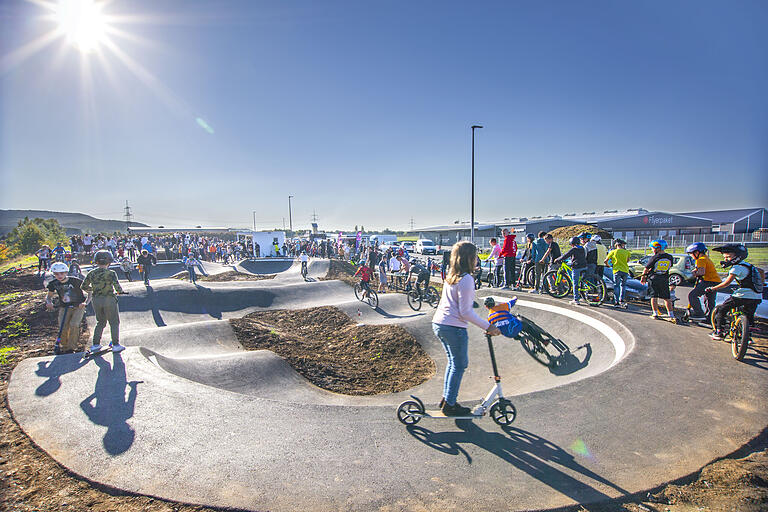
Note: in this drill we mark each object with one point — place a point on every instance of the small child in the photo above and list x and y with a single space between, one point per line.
72 306
103 282
192 262
365 277
500 316
126 265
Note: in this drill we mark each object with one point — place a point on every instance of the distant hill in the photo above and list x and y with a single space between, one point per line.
73 223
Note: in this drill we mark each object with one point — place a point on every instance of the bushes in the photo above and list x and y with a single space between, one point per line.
29 235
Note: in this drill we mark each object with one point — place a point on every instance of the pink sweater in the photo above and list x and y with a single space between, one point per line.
455 306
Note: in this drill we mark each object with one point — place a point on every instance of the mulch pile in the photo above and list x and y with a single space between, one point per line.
567 232
231 275
333 353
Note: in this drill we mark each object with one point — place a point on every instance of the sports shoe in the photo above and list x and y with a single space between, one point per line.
575 302
655 316
456 410
95 348
116 347
535 292
716 336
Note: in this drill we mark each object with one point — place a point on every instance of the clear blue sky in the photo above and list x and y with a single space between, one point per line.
361 110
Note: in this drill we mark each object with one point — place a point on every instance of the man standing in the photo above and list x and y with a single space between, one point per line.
509 253
542 251
618 259
657 274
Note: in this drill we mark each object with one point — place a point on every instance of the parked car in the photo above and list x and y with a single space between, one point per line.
426 246
680 273
408 246
635 289
389 245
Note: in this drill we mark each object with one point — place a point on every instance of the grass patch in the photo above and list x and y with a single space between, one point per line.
14 329
24 261
7 298
4 354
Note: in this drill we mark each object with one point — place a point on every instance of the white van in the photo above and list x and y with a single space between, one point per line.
426 246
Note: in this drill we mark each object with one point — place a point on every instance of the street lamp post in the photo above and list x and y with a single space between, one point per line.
290 218
254 220
472 214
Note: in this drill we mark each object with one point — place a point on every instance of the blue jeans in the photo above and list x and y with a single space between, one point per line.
619 286
455 342
192 276
576 278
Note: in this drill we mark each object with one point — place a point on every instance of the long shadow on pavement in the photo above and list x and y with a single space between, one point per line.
107 405
53 371
524 450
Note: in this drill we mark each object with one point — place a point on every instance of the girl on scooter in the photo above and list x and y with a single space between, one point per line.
451 319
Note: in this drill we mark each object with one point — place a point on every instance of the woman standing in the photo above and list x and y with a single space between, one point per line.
450 323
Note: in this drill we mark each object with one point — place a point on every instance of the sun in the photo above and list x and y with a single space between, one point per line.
83 23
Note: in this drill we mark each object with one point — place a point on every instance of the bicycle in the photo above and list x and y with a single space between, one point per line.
304 270
558 284
737 329
416 296
367 296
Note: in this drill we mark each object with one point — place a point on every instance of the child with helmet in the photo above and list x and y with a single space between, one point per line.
706 277
72 303
103 283
751 283
656 273
500 315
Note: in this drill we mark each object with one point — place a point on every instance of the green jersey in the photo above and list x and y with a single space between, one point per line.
102 281
618 259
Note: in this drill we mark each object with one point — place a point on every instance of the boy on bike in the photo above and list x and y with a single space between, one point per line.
304 260
365 278
749 294
500 315
71 306
103 283
578 254
706 277
145 261
422 275
656 273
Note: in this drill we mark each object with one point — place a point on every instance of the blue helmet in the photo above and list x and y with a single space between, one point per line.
696 247
658 244
584 236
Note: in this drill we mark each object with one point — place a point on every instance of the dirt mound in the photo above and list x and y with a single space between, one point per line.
341 270
567 232
333 353
231 275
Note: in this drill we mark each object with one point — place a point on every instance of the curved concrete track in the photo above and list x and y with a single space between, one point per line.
186 414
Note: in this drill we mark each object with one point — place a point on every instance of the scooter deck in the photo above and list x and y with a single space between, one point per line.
437 413
90 355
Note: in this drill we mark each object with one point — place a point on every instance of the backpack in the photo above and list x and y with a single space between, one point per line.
756 276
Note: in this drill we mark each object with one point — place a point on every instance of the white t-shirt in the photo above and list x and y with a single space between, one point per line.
304 257
87 240
394 264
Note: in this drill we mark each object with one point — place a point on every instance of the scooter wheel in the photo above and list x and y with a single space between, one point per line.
503 412
409 412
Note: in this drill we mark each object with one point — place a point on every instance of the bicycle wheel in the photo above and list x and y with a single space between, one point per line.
414 300
358 291
373 299
536 350
740 337
530 277
593 293
433 298
558 285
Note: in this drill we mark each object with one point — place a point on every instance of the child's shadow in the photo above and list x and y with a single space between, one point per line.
111 408
54 369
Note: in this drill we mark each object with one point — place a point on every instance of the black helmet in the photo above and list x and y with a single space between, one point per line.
738 250
575 241
531 236
620 241
489 302
103 257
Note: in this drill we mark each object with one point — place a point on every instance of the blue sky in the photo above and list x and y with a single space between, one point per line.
361 110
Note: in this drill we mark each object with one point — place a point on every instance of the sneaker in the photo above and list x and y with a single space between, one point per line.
575 302
117 347
716 336
95 348
456 410
535 292
655 316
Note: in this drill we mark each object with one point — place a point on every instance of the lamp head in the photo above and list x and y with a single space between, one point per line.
476 126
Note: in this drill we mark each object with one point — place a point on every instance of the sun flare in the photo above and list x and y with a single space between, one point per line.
82 23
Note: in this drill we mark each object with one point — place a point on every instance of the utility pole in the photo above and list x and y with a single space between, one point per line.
128 216
314 216
411 223
290 215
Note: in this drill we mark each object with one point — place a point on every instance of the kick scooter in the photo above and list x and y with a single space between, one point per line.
502 411
57 345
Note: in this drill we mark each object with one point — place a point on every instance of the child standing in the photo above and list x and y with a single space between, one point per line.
103 282
71 306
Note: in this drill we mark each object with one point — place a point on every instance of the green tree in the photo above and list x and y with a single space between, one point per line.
31 237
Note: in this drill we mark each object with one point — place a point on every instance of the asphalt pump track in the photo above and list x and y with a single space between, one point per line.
186 414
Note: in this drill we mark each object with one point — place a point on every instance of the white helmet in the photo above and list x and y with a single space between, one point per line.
595 238
59 266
